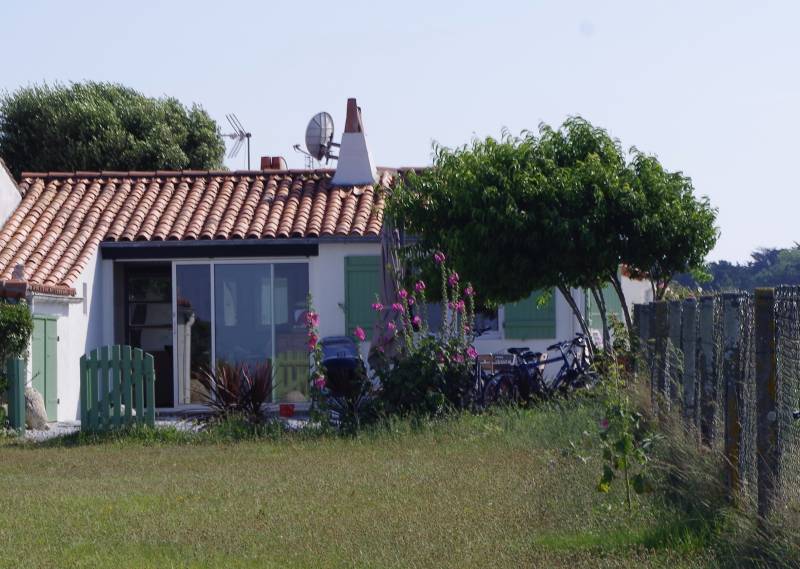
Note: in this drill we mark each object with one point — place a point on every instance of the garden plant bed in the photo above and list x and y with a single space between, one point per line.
505 489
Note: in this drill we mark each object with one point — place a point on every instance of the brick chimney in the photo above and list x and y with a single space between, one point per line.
273 163
354 167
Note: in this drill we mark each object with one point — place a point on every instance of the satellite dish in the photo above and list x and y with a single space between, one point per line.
319 136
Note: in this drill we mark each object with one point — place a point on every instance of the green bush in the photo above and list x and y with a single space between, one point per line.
16 327
422 372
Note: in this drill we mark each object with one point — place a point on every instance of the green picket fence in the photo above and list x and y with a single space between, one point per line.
15 373
115 382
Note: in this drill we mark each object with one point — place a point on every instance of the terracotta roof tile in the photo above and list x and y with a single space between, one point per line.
63 216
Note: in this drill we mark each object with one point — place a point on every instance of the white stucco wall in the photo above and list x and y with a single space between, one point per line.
82 325
326 283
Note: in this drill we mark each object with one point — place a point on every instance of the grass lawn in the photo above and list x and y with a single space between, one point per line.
504 490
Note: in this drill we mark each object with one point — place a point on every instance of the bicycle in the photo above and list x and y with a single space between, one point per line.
575 372
526 381
521 381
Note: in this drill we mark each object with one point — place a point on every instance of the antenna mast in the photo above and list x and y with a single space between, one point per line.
240 135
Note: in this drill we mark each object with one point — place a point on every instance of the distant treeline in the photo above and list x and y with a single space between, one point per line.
767 267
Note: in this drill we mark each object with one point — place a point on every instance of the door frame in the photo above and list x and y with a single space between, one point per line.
166 268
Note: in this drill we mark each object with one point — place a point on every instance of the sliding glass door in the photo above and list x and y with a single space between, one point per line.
192 329
242 315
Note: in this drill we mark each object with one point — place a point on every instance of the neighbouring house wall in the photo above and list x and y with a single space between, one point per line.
566 326
636 292
9 194
326 283
82 325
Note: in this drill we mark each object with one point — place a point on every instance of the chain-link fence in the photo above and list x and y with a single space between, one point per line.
787 348
730 364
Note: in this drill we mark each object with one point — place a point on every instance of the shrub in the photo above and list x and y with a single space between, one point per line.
16 327
421 372
237 389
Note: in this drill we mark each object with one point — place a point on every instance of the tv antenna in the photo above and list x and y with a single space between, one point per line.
239 135
319 140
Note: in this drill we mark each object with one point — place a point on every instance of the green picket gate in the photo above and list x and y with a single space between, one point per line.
115 381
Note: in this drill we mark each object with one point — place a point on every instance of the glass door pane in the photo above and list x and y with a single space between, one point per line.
243 314
193 329
291 357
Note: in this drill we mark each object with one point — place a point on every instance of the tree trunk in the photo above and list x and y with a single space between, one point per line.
601 304
566 293
616 282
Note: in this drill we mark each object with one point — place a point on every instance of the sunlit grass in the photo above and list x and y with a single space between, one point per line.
509 489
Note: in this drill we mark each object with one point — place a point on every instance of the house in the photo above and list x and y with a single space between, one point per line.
197 266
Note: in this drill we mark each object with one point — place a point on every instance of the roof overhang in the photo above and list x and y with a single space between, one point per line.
227 248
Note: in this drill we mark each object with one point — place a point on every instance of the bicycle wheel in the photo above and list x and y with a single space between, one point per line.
502 390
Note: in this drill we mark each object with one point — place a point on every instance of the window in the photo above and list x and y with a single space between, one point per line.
193 329
528 320
486 320
254 315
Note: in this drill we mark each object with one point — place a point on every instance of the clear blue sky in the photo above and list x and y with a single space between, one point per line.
712 88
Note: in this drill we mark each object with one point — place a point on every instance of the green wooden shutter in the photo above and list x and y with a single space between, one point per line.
44 353
526 320
613 306
362 281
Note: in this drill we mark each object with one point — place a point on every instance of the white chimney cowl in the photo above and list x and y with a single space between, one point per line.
354 166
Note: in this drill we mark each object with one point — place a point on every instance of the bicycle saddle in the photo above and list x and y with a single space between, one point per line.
555 346
518 351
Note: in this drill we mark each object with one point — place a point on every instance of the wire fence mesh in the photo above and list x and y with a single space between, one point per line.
787 347
703 359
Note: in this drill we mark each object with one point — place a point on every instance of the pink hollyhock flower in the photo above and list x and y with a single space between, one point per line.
416 321
469 291
603 423
460 306
452 280
403 293
397 307
391 327
312 341
420 286
360 334
439 257
459 358
319 382
472 353
377 306
312 318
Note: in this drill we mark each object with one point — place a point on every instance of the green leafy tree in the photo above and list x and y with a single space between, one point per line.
672 231
767 268
561 208
104 126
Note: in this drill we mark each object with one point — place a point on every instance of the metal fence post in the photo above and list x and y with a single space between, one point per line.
766 398
689 345
705 365
730 337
